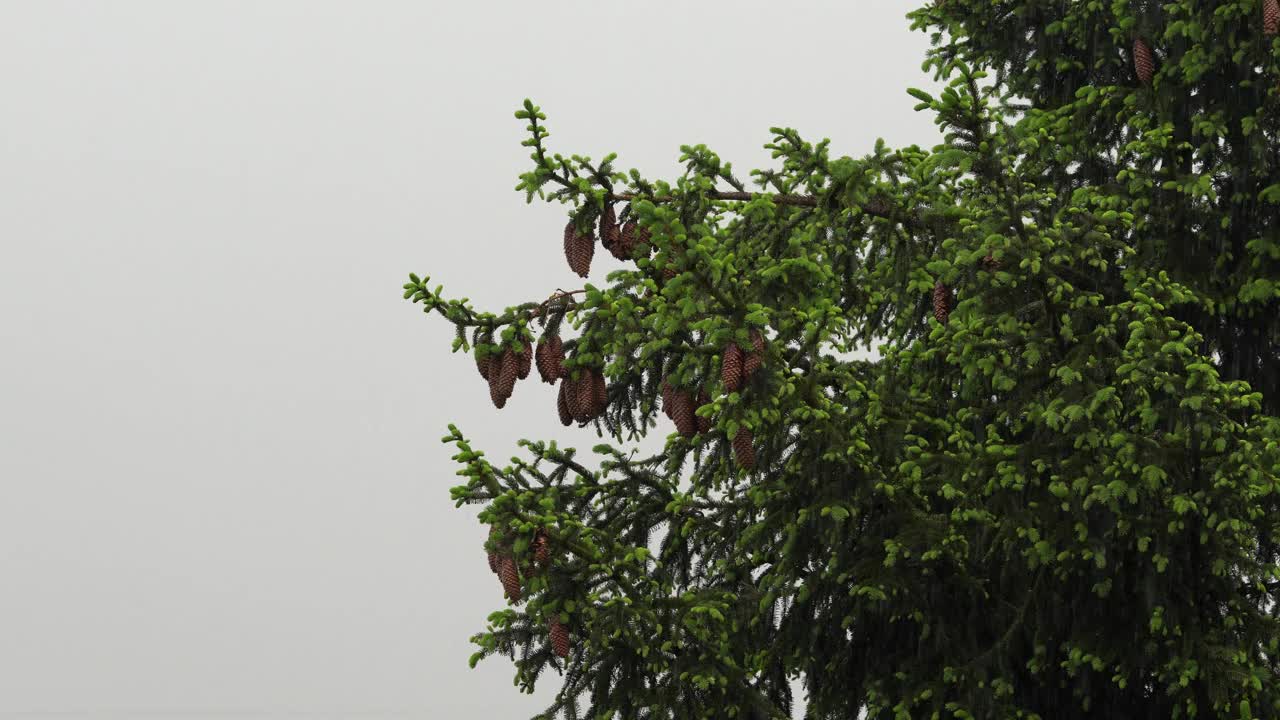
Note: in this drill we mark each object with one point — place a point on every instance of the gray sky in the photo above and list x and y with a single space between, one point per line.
222 491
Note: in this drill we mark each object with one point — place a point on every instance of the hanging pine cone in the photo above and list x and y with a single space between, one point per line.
1144 62
493 557
731 367
504 376
941 302
626 241
990 263
562 404
752 361
682 413
510 577
581 395
496 387
669 274
610 236
743 452
549 357
600 392
642 237
559 636
1270 17
525 360
667 389
578 249
483 364
541 549
704 423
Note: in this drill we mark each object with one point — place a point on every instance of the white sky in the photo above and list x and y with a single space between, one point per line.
222 491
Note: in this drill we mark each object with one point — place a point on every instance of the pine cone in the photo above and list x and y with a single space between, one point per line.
743 452
483 364
1144 62
581 395
600 393
549 356
990 263
541 549
495 383
610 236
642 237
510 577
752 361
627 241
525 360
731 367
941 302
667 390
578 249
704 423
562 404
505 375
682 413
560 643
493 557
669 273
1270 17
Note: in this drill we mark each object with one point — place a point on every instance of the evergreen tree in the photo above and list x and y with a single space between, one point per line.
1054 495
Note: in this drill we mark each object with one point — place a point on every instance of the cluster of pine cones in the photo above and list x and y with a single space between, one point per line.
503 370
737 365
503 563
579 247
1144 61
582 399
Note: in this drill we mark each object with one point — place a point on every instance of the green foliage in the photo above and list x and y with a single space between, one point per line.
1061 503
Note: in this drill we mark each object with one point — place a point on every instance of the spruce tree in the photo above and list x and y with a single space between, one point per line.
1053 495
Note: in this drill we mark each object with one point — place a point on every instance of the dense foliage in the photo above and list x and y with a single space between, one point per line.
1054 494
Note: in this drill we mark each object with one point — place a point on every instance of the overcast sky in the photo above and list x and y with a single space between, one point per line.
222 491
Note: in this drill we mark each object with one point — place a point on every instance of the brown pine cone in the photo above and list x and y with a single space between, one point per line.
731 367
562 404
626 241
669 273
682 413
1270 17
941 302
990 263
743 452
493 557
578 249
581 395
525 360
704 423
541 549
507 373
642 237
510 577
549 356
495 382
483 364
600 392
1144 62
610 235
752 361
667 390
559 636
